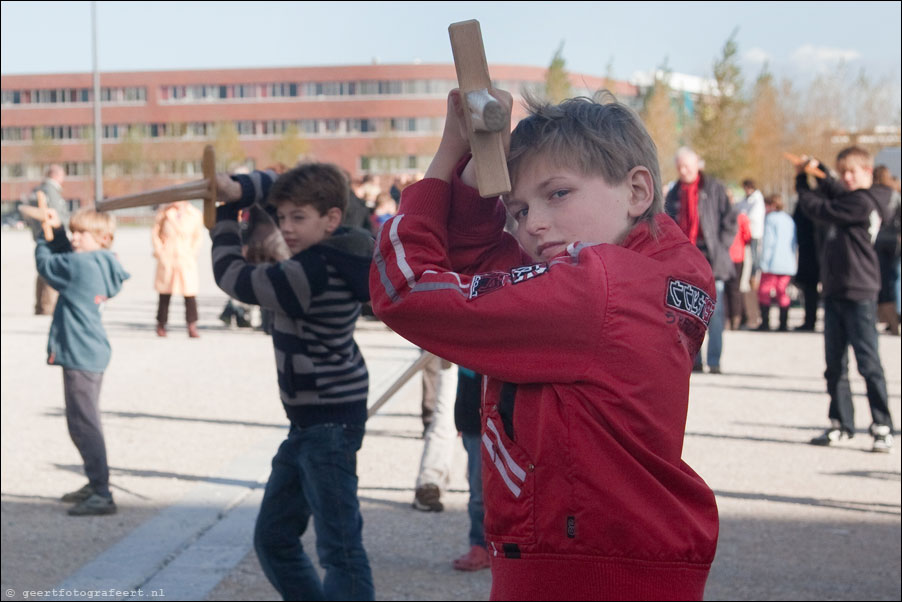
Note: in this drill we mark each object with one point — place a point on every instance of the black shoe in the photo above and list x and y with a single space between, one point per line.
714 370
426 498
832 436
804 328
698 368
80 495
96 505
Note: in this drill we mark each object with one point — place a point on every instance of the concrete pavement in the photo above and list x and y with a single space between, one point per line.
192 424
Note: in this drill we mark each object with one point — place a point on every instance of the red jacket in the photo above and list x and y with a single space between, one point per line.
743 237
587 359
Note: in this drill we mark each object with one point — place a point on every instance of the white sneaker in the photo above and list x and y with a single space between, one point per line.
883 438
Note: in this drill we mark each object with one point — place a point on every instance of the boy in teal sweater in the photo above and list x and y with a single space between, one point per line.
86 274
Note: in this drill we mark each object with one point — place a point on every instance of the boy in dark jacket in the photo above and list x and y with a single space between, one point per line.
86 274
316 295
851 209
586 325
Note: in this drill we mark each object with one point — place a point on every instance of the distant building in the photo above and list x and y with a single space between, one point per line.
368 119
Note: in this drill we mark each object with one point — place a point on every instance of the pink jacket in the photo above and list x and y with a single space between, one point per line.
177 232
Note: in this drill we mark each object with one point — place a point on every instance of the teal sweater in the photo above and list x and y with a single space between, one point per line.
84 281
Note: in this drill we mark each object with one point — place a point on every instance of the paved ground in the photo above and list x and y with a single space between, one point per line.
191 426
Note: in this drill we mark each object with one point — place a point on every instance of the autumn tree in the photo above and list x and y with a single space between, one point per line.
717 134
557 80
227 146
289 148
767 128
661 122
43 150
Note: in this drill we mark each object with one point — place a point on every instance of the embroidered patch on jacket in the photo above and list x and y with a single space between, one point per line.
527 272
483 284
690 299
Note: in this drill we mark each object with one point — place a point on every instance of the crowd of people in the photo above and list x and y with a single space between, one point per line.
577 484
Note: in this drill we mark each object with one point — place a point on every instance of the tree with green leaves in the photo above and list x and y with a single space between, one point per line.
717 135
557 80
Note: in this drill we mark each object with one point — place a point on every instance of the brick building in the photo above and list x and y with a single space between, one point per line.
369 119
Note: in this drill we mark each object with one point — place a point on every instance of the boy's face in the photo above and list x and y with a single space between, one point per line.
84 241
855 173
556 206
302 226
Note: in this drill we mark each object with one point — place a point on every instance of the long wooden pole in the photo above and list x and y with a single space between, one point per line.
402 380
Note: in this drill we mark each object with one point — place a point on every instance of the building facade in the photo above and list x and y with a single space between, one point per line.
368 119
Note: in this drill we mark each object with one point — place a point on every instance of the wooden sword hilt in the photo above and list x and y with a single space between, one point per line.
199 189
810 168
485 117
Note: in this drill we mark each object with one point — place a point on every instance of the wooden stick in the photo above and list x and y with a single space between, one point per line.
402 380
42 207
487 147
209 167
199 189
809 167
160 196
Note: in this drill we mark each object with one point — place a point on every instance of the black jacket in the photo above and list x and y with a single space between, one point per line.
849 268
717 223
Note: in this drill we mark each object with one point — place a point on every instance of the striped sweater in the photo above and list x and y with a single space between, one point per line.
316 297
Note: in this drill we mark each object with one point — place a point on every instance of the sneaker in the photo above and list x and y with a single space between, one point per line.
832 436
80 495
475 560
883 438
95 505
426 498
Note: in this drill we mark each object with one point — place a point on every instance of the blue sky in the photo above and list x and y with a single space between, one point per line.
797 39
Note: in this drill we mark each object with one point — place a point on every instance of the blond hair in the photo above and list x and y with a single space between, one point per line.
595 136
94 222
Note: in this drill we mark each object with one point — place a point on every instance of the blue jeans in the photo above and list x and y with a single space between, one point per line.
853 323
475 508
715 330
314 473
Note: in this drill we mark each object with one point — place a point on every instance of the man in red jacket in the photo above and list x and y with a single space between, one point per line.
586 325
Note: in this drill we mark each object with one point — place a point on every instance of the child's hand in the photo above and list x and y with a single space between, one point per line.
456 141
227 189
53 218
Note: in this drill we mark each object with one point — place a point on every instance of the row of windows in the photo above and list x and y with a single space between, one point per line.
111 169
246 128
182 169
72 95
213 93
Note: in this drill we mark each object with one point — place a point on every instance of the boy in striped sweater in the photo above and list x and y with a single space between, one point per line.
316 296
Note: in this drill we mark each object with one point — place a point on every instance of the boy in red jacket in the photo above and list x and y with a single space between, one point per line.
586 325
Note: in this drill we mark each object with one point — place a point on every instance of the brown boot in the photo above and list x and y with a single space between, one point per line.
192 330
161 329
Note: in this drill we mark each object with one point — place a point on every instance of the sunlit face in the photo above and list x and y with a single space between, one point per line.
554 207
84 241
302 226
687 166
855 173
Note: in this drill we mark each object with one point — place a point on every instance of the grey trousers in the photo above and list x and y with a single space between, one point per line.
82 391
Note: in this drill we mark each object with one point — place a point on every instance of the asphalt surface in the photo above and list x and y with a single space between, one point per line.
191 425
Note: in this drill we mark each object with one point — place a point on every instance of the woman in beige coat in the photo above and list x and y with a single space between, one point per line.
177 232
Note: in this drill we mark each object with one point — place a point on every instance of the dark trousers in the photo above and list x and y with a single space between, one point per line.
811 299
853 323
163 309
82 393
734 297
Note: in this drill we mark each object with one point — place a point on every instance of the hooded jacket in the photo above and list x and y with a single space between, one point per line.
85 281
587 359
849 266
316 297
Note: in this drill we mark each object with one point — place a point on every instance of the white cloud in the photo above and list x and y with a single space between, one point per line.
758 56
822 57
